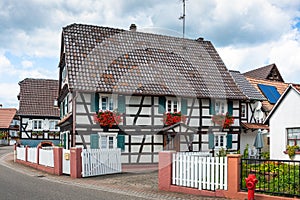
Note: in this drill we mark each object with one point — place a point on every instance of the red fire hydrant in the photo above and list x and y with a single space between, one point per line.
250 184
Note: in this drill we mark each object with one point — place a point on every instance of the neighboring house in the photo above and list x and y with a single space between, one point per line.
38 114
284 122
9 126
252 115
269 82
143 76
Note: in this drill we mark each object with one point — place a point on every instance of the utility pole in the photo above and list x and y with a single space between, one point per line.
182 17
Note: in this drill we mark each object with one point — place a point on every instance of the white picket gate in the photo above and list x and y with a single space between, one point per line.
100 161
196 171
46 157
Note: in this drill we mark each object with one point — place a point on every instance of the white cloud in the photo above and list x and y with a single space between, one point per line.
8 97
284 53
27 64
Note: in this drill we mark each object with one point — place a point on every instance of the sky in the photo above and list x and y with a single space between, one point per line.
246 34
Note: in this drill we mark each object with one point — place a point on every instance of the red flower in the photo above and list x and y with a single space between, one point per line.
173 118
107 118
223 120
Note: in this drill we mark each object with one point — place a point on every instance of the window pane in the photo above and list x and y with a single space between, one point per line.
104 103
111 142
221 140
111 104
103 142
175 106
169 106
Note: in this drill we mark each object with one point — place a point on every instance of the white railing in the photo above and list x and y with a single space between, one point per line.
204 173
100 161
46 157
32 155
21 153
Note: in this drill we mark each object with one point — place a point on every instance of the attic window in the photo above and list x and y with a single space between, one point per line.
270 92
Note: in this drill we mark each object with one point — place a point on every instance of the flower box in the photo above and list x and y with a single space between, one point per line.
222 120
108 118
173 118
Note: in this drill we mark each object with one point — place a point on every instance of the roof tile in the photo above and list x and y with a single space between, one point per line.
118 61
37 97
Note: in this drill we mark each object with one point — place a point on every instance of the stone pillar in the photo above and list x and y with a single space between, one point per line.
234 177
165 170
57 151
75 162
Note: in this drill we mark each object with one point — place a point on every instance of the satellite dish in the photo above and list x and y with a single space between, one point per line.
258 114
258 105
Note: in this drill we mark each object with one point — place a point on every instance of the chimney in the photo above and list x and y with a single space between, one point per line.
133 27
200 39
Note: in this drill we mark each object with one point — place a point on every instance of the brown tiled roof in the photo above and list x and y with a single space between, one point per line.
269 72
117 61
6 117
279 85
37 97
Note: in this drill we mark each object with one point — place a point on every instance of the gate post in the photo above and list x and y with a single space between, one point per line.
75 162
165 170
57 151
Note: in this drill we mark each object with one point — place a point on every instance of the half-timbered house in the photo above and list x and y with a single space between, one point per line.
143 76
268 82
37 110
251 112
9 125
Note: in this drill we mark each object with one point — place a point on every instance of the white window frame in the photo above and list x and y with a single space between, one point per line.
218 139
111 101
293 141
220 107
37 121
173 104
55 123
105 140
243 114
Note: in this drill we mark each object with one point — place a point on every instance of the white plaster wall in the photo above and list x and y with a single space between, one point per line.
287 115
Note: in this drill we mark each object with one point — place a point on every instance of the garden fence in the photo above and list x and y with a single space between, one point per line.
199 171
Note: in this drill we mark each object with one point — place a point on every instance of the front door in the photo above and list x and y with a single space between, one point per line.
171 141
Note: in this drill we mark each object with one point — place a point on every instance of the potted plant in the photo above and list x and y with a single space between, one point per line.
291 150
108 118
171 118
223 120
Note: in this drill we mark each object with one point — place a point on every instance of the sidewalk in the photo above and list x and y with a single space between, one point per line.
134 181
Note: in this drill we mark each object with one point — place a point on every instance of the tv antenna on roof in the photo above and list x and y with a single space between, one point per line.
182 17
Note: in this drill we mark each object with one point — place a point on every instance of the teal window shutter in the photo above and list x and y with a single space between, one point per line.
211 141
94 138
229 141
230 107
121 104
184 106
161 105
212 107
121 142
96 102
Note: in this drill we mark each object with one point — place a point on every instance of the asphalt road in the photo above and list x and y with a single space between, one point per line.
18 186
